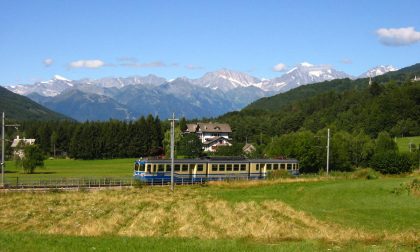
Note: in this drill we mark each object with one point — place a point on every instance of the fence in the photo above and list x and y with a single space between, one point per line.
90 182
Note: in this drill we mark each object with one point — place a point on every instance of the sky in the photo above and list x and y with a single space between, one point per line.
97 38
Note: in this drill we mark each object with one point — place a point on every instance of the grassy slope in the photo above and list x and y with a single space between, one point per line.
75 168
350 214
403 142
366 204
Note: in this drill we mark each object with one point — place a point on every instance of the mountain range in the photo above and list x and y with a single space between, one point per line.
17 107
213 94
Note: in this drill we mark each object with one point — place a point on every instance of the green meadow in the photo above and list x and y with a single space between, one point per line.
403 143
70 168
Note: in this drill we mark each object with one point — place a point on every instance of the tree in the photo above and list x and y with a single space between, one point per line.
189 146
391 163
233 150
384 143
33 158
54 138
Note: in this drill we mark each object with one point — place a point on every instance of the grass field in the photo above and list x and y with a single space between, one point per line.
288 215
75 168
403 142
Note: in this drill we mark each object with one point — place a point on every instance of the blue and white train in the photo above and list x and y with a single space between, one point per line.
211 169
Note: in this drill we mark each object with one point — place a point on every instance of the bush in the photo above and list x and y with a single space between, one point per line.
279 174
367 173
411 187
391 163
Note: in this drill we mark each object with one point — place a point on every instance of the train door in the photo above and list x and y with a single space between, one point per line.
191 171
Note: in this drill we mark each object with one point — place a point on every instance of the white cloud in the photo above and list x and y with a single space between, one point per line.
48 62
346 61
95 63
398 36
279 67
193 67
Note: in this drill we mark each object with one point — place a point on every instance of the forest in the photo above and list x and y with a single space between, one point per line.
96 140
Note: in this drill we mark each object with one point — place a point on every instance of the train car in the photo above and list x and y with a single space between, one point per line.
215 168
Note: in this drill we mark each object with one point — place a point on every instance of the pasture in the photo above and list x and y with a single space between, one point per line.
403 143
289 215
70 168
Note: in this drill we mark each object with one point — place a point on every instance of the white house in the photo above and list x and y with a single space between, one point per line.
211 135
18 142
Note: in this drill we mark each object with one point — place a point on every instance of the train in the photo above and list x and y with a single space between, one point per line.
208 169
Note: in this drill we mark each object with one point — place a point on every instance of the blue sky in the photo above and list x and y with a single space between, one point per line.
93 39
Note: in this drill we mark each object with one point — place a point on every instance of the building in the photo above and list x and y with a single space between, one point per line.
248 148
18 143
211 135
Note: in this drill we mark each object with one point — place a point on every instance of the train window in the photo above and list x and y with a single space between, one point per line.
289 166
257 167
184 167
214 167
222 167
192 167
262 166
275 166
229 168
142 166
167 167
161 167
177 167
136 166
269 167
283 166
243 167
236 167
199 167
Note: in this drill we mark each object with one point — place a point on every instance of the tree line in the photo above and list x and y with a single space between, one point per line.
97 140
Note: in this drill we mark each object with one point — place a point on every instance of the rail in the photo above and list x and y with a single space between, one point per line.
104 182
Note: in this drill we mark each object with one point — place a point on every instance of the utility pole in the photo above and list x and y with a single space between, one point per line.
172 149
2 146
328 151
2 150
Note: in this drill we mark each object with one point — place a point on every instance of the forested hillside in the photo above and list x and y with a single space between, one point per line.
18 107
391 103
301 93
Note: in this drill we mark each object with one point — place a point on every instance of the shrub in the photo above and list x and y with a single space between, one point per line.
367 173
411 187
391 163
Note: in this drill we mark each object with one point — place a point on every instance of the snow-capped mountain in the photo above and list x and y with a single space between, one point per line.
213 94
378 70
302 74
52 87
134 80
226 80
